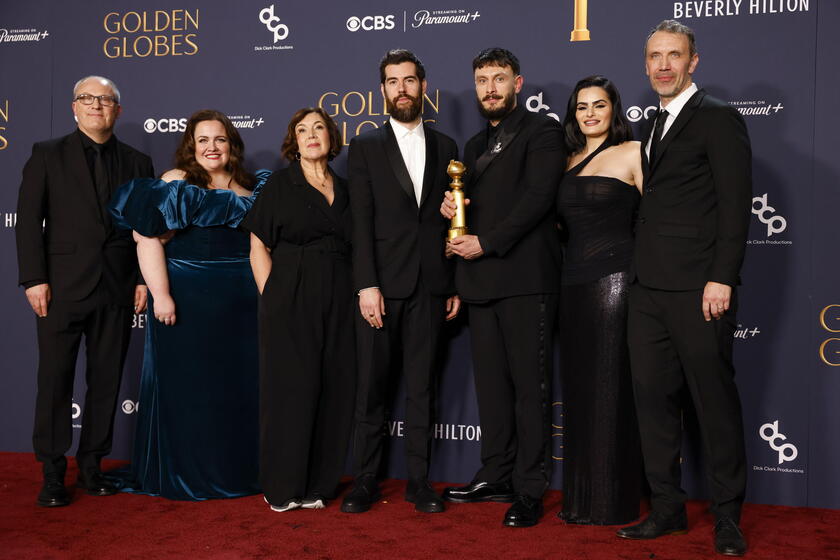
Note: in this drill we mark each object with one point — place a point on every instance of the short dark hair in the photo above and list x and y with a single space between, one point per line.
673 26
398 56
498 57
620 130
290 148
185 153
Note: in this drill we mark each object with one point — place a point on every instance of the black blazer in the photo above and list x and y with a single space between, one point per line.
75 247
695 211
394 241
512 191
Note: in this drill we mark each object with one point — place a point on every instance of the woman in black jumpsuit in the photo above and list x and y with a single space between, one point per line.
300 254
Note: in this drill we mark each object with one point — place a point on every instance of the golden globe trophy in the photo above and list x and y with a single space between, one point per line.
458 224
580 32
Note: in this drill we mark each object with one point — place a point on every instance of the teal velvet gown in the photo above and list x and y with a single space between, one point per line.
197 422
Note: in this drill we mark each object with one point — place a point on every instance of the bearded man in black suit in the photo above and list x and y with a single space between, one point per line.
81 279
397 175
690 239
508 271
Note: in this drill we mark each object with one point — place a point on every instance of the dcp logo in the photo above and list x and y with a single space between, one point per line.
636 113
535 105
370 23
272 23
775 224
773 436
151 125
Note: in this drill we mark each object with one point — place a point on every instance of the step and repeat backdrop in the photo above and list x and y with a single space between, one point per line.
258 61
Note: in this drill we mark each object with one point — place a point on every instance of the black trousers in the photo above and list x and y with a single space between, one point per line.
307 375
107 330
411 329
513 361
672 347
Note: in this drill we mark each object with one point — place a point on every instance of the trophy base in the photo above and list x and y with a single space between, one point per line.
580 35
457 232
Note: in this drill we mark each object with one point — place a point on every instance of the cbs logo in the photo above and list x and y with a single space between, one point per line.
164 125
370 23
830 348
636 113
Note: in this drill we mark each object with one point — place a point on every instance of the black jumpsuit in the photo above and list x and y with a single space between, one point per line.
307 346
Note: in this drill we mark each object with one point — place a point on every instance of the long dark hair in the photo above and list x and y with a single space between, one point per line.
620 130
185 154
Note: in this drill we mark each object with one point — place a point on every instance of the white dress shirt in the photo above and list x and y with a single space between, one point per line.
412 143
673 110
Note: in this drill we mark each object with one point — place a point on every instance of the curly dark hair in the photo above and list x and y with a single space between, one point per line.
290 149
619 131
185 154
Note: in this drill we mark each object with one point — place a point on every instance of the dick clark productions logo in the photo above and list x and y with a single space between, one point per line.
272 23
770 433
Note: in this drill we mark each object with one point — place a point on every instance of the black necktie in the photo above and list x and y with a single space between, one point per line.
661 117
100 177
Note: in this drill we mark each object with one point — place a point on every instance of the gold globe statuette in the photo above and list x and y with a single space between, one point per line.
458 224
580 32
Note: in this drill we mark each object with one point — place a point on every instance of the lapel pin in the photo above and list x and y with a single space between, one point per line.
497 148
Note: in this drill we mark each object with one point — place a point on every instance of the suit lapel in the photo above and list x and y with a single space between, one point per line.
510 128
76 162
682 119
392 151
430 172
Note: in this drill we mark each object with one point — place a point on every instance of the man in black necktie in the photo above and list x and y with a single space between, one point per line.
690 239
508 271
81 279
397 175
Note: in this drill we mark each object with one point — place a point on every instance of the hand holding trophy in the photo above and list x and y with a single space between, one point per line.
458 223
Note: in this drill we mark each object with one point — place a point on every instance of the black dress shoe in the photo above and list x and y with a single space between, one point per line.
365 491
525 512
655 526
729 540
422 495
53 493
480 492
96 484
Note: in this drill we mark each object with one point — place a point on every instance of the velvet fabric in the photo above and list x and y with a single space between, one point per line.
197 432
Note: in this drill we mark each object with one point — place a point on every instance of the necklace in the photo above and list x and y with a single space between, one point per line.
320 185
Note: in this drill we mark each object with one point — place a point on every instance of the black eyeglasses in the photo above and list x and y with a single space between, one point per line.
104 100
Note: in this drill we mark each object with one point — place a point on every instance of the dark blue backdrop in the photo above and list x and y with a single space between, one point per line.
772 59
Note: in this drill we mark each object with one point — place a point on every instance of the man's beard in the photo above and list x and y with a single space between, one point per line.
404 114
500 111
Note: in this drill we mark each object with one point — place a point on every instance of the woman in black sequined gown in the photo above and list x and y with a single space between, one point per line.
597 200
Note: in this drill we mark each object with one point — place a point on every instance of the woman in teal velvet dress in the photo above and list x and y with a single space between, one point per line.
197 423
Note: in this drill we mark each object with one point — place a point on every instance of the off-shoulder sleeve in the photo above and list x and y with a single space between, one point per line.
263 219
152 207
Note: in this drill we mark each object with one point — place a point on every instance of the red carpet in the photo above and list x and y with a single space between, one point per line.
130 526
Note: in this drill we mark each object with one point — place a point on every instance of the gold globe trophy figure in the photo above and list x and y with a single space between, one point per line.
580 32
458 224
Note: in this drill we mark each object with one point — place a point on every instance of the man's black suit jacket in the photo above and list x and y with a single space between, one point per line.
394 241
695 210
76 245
512 189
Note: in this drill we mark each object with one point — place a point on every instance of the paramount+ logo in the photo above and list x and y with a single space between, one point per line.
370 23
